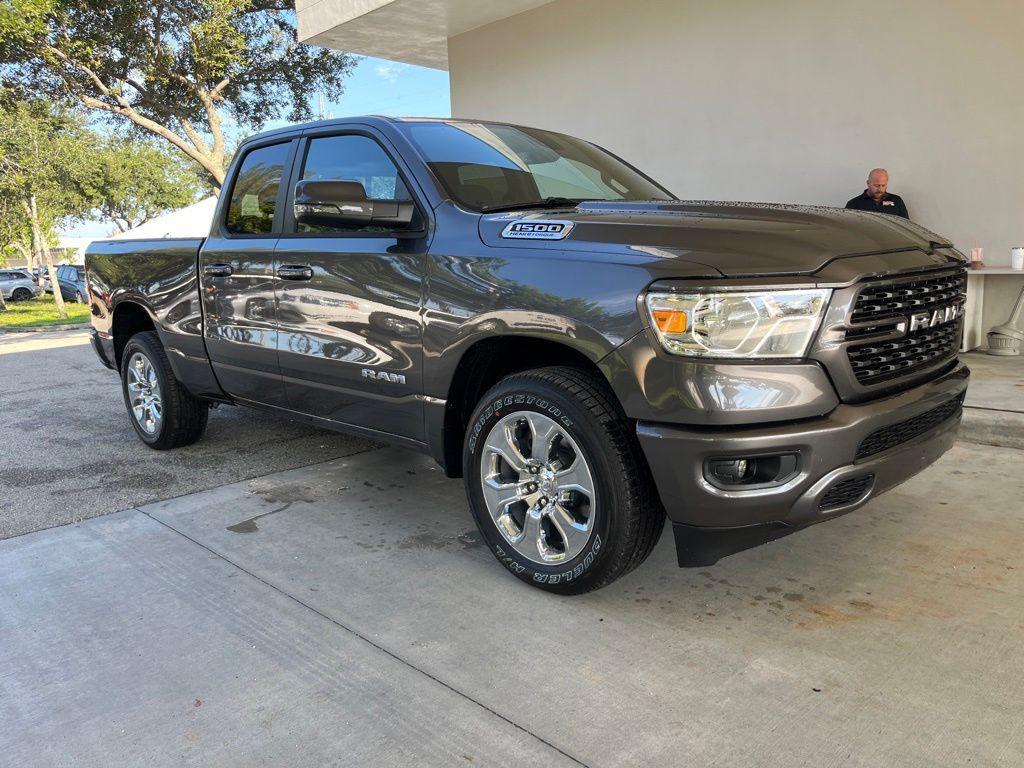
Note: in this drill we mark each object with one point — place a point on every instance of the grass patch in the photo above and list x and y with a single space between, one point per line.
41 312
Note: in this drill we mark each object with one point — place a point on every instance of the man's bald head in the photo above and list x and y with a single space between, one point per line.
878 183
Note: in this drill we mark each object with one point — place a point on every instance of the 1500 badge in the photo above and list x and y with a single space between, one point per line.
537 230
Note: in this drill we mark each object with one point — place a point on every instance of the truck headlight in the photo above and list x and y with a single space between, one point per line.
737 324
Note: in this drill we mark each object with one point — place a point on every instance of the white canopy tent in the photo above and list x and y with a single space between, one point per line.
191 221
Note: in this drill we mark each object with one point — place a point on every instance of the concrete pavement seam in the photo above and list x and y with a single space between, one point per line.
368 641
997 410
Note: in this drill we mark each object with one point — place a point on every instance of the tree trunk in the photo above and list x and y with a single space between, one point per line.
41 246
3 304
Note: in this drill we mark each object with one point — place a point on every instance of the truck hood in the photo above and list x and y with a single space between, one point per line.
735 239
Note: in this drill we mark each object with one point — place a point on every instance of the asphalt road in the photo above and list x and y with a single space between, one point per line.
67 451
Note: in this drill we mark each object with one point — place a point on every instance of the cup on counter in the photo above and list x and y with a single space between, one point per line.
977 257
1017 258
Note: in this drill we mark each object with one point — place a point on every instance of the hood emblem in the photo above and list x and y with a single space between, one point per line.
537 229
936 317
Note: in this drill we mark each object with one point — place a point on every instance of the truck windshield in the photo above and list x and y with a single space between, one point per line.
491 167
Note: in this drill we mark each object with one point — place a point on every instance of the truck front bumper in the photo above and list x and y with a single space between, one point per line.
844 459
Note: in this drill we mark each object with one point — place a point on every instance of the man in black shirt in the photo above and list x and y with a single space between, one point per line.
876 198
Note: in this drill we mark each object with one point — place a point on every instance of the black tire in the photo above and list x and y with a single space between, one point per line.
21 294
629 515
184 417
79 298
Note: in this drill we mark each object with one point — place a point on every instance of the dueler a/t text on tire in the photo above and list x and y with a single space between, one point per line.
164 414
557 482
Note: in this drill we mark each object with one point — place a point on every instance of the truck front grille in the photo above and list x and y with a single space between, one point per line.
877 362
896 434
886 334
877 302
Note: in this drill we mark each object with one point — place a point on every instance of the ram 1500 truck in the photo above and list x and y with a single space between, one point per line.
589 353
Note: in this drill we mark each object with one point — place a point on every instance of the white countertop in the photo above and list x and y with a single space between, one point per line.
986 270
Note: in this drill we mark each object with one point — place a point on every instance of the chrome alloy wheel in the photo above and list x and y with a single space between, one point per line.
538 487
144 394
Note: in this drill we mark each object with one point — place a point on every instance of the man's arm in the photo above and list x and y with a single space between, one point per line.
901 208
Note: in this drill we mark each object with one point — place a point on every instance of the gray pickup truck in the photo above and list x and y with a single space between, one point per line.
552 325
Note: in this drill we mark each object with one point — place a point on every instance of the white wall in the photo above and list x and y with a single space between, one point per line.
780 100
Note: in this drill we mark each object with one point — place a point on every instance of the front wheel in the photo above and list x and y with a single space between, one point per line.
557 482
164 414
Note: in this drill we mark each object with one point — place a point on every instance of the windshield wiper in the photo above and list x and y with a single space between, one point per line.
547 202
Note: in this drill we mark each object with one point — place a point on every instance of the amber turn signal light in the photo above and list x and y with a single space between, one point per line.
670 321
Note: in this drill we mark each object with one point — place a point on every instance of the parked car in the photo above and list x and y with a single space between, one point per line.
72 283
18 285
586 351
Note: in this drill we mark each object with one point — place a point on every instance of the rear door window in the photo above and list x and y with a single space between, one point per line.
253 202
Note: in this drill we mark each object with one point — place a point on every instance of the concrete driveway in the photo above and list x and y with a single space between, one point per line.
345 613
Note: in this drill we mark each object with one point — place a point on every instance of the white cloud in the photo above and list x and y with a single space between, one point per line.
391 72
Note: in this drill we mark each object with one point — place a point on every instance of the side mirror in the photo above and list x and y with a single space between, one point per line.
344 204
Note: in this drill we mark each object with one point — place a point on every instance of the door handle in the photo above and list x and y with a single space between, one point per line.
295 272
217 270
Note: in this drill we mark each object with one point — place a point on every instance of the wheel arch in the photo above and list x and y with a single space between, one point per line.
129 318
482 365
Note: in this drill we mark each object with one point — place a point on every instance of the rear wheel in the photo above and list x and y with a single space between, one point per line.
163 413
557 483
79 298
21 294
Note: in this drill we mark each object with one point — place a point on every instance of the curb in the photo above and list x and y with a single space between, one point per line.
987 426
41 328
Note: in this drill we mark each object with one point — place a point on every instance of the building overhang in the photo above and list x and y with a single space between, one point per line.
410 31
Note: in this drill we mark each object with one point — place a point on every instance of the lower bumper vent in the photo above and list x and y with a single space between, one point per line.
889 437
846 492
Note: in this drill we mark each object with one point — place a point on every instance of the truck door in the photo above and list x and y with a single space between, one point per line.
349 297
236 273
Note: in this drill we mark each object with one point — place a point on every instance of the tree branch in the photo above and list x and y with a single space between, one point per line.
219 88
135 85
198 151
161 130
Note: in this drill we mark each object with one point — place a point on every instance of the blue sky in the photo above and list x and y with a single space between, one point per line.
375 87
379 87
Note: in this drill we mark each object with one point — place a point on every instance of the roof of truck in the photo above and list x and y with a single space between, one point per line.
363 120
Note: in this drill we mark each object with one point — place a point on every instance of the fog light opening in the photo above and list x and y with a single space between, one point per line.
748 473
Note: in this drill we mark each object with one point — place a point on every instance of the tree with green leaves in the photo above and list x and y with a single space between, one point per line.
134 181
15 235
45 157
178 69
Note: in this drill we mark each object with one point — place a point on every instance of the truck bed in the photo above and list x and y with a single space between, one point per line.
162 277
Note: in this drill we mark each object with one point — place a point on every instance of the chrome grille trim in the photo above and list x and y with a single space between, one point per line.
867 346
894 299
877 362
880 347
